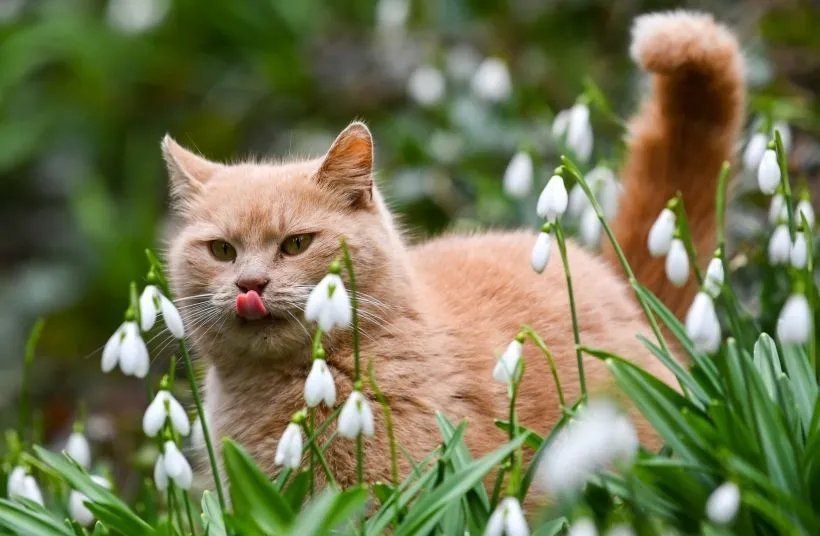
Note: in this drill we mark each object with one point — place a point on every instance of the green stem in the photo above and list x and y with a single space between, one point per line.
354 302
576 332
316 449
686 238
360 459
28 362
312 457
782 160
388 419
535 338
188 510
810 291
720 204
172 507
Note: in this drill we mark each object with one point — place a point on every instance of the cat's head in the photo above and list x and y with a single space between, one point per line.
273 228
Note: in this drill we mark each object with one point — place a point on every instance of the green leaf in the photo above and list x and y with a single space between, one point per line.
768 363
803 380
24 521
552 528
297 490
330 510
212 515
461 455
683 375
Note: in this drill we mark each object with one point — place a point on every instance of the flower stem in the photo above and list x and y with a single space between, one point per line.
388 419
190 515
686 238
354 302
576 333
316 449
312 457
535 338
514 483
31 347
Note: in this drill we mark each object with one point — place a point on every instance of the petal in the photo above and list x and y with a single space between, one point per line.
32 491
541 252
186 476
160 475
148 307
111 352
77 509
329 389
17 481
518 176
677 263
343 311
590 228
174 460
78 448
155 415
514 522
179 418
660 234
349 425
316 300
366 418
173 321
495 525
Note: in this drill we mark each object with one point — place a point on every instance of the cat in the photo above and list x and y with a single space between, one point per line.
436 315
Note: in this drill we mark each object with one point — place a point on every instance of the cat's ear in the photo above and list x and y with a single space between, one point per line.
347 168
187 172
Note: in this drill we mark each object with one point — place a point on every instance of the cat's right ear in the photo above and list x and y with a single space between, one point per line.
187 172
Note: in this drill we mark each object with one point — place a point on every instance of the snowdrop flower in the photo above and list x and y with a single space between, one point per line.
76 503
78 448
541 251
491 81
777 209
160 476
356 417
22 484
553 201
578 201
583 527
328 303
779 245
392 15
598 437
135 16
590 227
677 263
713 281
507 519
176 467
754 151
163 406
798 256
620 530
426 85
661 233
506 368
152 301
723 503
289 449
768 174
518 175
319 385
127 348
579 132
702 324
560 124
805 211
794 322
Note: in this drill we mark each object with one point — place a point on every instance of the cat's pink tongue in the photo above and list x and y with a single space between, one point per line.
250 306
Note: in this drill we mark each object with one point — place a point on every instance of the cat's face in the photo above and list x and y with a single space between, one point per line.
272 229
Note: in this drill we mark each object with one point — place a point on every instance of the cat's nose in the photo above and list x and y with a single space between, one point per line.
247 284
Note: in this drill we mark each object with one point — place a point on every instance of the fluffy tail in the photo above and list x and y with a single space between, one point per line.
685 129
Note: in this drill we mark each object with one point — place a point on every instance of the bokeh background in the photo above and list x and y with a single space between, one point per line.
89 87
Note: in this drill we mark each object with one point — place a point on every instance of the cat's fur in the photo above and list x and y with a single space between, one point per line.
436 315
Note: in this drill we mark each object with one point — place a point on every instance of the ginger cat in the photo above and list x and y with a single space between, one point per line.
436 315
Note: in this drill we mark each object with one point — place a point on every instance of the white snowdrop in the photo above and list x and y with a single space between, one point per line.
22 484
607 190
560 124
590 227
579 132
356 417
805 211
578 201
598 437
176 466
127 348
162 407
135 16
794 322
507 366
152 301
541 251
491 81
661 233
780 245
78 449
160 475
713 280
289 449
518 175
507 519
723 504
702 324
391 15
319 386
798 256
754 151
76 503
777 209
553 201
583 527
328 304
677 263
768 174
426 85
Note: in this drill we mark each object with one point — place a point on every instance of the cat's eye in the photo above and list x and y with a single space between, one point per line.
223 250
296 244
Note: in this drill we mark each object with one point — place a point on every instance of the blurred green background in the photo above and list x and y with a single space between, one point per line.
89 87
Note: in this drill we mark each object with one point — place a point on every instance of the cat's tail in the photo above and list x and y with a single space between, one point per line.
685 129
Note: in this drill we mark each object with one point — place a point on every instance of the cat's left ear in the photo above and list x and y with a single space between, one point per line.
347 168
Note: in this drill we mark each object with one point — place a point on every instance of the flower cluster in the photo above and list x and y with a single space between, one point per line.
664 239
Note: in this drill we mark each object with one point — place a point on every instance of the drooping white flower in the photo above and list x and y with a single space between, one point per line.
777 209
723 503
328 304
160 475
391 15
176 466
578 201
507 366
507 519
319 385
583 527
620 530
677 263
76 503
152 301
805 211
22 484
356 417
713 280
518 175
426 85
136 16
702 324
780 245
768 174
754 151
553 201
794 322
127 348
289 449
560 124
579 132
541 252
78 448
597 438
163 406
661 233
798 256
590 227
607 190
491 81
